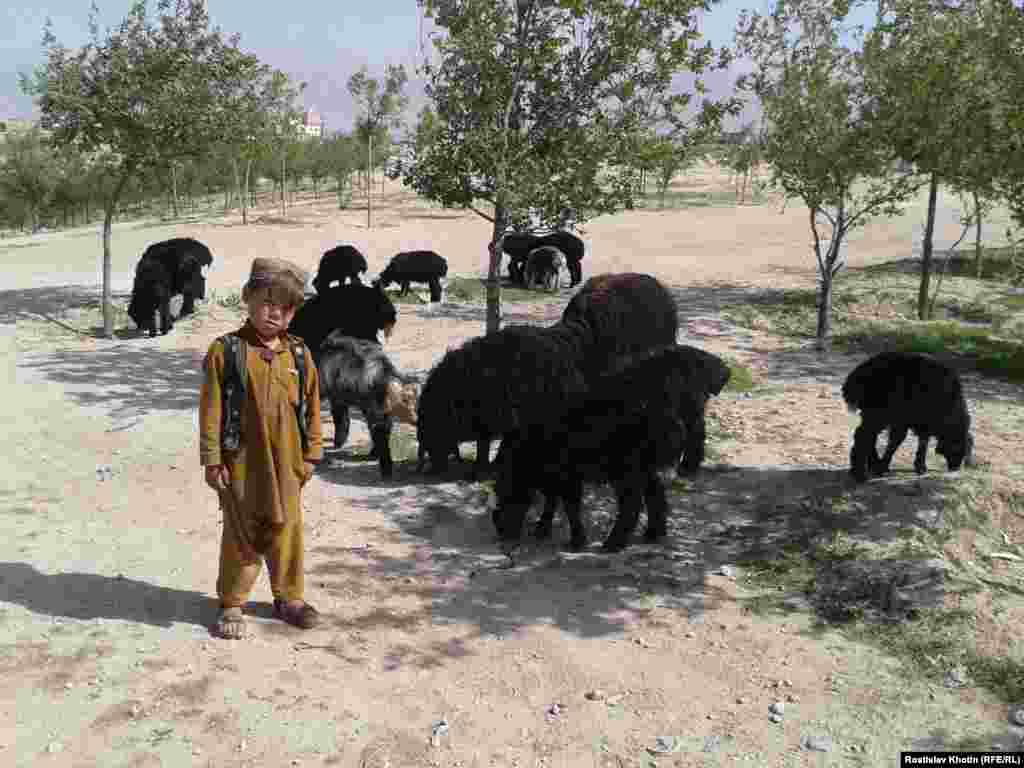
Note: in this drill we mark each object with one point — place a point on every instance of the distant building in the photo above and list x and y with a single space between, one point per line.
312 125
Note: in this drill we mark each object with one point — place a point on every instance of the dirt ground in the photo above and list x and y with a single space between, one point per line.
107 578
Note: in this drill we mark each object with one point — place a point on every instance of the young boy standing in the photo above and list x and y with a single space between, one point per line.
259 475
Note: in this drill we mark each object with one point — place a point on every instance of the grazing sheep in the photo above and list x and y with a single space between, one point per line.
496 384
905 391
706 375
627 313
631 424
345 262
416 267
357 310
167 269
518 246
356 372
573 249
543 267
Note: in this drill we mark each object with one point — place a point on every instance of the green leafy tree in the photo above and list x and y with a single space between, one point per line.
145 93
341 158
29 173
930 69
823 137
536 103
382 109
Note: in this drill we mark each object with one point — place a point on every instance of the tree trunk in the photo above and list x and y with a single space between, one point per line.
110 208
245 193
494 270
284 182
977 235
926 250
369 177
174 190
824 310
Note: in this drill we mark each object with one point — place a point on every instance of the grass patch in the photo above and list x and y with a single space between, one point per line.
677 198
741 379
471 290
871 312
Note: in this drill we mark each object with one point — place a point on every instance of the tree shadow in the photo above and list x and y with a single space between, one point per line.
128 379
730 514
51 302
88 596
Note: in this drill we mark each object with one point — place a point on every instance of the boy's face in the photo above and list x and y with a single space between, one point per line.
269 319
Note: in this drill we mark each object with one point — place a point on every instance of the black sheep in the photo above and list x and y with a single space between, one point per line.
496 384
543 267
345 262
167 269
905 391
357 310
416 267
518 246
627 313
357 373
706 375
631 424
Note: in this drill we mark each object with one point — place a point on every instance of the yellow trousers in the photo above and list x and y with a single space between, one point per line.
242 544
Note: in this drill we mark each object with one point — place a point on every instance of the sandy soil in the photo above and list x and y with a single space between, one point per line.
106 579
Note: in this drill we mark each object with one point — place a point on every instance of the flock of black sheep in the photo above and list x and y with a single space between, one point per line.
604 395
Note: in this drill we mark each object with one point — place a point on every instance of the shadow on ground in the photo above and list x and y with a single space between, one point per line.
88 596
729 515
51 302
127 379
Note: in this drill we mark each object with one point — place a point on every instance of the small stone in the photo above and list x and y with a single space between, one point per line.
69 686
816 743
740 700
775 718
595 695
778 708
54 747
712 743
242 745
1017 715
664 745
689 635
727 571
955 678
792 698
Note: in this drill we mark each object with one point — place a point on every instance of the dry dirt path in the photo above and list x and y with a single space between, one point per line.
109 550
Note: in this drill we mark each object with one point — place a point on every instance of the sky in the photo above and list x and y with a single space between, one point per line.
320 43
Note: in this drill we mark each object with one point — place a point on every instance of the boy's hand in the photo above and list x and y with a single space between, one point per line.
217 477
310 468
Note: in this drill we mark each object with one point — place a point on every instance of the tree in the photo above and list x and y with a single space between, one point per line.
382 109
341 161
146 94
535 105
823 136
930 70
29 173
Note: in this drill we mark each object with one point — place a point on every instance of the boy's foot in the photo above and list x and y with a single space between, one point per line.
298 613
230 624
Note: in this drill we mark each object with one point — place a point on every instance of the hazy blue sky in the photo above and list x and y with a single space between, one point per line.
318 42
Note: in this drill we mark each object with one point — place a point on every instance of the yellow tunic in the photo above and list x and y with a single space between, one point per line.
262 509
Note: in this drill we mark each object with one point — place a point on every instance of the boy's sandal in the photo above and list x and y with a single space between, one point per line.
305 616
230 624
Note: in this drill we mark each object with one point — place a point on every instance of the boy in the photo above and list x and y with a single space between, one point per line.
260 480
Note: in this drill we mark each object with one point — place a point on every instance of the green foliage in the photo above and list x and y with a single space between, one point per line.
824 135
28 173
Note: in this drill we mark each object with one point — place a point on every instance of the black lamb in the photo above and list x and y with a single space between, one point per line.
706 376
631 424
518 246
354 309
902 391
496 384
572 247
357 373
168 268
343 263
416 267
